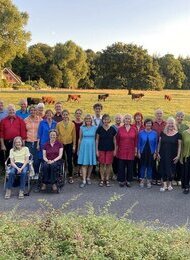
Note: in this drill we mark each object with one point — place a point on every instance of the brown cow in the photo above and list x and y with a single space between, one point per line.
33 101
168 97
102 97
73 97
137 96
48 100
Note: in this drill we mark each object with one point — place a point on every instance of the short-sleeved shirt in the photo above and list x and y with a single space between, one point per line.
52 152
106 138
19 155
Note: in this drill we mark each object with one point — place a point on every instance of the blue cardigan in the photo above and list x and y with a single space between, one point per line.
152 136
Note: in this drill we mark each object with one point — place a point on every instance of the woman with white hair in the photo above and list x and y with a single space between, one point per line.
41 110
126 150
169 149
19 157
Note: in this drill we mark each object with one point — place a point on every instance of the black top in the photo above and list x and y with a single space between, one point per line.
169 146
57 118
106 138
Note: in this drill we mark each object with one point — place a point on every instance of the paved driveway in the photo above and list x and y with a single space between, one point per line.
171 208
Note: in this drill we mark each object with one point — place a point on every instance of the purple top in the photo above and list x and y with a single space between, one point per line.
52 151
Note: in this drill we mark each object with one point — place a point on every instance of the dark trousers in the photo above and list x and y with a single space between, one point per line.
2 159
9 146
124 175
32 146
156 176
136 167
115 165
185 173
68 150
178 172
50 172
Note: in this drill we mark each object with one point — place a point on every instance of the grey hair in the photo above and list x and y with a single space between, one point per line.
170 119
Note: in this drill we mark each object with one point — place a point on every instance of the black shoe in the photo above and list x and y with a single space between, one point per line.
128 184
121 184
186 191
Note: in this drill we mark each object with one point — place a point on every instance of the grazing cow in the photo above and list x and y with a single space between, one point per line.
137 96
73 97
48 100
103 97
33 101
168 97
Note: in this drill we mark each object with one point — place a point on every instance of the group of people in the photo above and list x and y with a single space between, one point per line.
156 152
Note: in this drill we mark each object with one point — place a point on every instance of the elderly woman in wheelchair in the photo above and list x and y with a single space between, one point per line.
19 159
52 155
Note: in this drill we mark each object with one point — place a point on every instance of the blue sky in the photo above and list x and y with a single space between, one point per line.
160 26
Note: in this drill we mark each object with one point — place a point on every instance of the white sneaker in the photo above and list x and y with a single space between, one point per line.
141 184
162 189
149 185
170 188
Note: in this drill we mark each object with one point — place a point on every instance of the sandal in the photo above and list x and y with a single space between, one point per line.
101 184
54 187
8 194
21 194
70 180
107 184
43 187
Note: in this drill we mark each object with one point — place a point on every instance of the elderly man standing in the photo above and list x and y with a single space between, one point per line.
23 112
10 127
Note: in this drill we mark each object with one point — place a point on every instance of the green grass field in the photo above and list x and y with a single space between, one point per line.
117 102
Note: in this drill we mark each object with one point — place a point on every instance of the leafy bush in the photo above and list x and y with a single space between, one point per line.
4 84
22 87
57 235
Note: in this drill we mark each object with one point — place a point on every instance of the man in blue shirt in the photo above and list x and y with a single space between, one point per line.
3 112
23 112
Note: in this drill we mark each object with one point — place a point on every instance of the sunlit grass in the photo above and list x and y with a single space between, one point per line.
117 102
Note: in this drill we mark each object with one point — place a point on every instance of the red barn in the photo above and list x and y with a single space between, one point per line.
10 76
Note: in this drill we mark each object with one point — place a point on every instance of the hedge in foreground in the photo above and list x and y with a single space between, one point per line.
55 235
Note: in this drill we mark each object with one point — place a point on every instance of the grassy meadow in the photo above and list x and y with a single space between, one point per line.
117 102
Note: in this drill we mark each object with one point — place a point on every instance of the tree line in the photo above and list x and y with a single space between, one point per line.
67 65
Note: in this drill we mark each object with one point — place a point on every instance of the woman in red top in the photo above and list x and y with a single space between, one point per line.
126 151
138 124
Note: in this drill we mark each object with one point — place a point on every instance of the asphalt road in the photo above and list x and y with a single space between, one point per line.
170 208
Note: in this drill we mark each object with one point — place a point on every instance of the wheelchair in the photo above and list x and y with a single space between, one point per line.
17 179
60 181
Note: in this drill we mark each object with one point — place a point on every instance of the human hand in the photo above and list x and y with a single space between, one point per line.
176 159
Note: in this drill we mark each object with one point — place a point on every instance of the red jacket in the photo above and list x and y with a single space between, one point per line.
12 127
126 143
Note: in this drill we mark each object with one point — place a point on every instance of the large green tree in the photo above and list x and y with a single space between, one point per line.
127 66
172 71
35 64
72 61
88 81
13 37
185 62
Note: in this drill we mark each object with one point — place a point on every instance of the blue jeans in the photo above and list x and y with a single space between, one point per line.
12 174
148 171
32 146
